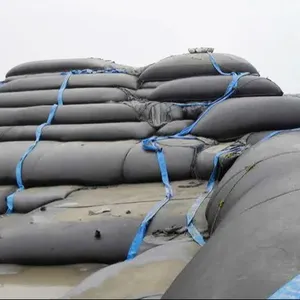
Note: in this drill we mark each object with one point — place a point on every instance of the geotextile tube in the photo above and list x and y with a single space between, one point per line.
96 163
237 116
198 64
162 263
208 88
78 81
71 96
257 224
154 113
65 65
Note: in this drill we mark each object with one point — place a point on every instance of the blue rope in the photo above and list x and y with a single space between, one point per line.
151 144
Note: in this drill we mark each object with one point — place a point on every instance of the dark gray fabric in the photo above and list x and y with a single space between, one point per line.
208 88
64 65
80 132
70 96
236 117
186 65
75 81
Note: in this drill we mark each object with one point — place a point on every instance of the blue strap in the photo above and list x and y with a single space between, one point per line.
290 290
197 237
19 168
193 231
38 135
150 144
216 163
227 95
217 67
138 239
62 89
276 132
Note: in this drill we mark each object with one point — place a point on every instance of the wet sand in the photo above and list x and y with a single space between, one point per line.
32 282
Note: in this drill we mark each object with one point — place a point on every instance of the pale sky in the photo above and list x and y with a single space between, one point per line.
137 32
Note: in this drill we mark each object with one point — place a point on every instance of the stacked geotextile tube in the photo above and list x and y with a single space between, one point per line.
69 128
81 121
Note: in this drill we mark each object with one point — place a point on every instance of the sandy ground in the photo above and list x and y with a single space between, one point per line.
52 282
32 282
